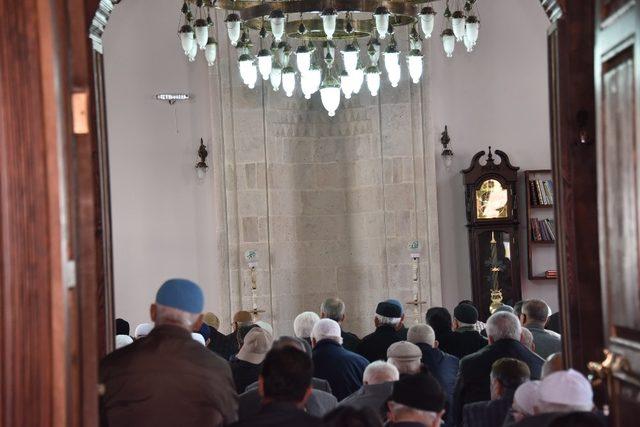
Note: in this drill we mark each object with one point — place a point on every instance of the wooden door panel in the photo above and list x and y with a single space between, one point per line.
620 172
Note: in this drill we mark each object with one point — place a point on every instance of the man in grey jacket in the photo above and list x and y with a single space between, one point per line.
535 314
377 385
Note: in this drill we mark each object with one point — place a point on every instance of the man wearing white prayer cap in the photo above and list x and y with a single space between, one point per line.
167 379
332 362
122 340
142 330
526 400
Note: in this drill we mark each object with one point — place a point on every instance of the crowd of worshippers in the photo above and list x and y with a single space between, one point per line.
452 371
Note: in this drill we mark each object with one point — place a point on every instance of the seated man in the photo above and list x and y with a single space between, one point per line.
160 378
506 376
465 339
526 338
416 401
405 356
246 366
440 320
388 319
319 402
303 325
534 317
342 368
377 386
285 386
229 346
334 309
473 382
443 366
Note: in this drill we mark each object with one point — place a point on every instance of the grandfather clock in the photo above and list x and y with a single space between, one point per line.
492 219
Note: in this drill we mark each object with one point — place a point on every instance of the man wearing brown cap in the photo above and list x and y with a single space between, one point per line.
416 401
228 345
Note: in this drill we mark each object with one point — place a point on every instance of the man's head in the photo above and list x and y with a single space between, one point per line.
389 312
241 318
297 343
142 330
379 372
211 320
517 308
503 325
526 338
464 315
535 312
422 334
554 363
503 308
303 324
326 329
417 398
565 391
526 400
122 327
286 376
405 356
333 308
256 344
179 302
506 376
439 319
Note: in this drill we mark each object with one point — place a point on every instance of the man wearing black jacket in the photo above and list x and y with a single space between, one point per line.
465 339
473 384
388 320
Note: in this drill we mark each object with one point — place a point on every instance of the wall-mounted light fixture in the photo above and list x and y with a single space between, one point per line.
201 166
447 153
172 98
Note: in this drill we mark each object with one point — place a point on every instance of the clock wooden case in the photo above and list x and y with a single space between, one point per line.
491 198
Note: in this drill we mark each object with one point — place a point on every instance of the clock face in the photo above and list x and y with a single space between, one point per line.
491 200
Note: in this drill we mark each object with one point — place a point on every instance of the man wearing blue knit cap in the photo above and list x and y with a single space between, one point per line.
167 378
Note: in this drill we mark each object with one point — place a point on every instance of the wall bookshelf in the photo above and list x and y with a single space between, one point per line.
541 230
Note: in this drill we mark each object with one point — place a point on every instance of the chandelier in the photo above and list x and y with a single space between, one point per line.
325 38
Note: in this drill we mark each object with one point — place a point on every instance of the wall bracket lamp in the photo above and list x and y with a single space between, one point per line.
201 165
447 153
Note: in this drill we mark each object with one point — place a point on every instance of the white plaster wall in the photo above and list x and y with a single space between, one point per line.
497 96
167 224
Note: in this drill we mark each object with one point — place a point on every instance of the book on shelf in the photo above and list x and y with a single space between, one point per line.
542 230
541 192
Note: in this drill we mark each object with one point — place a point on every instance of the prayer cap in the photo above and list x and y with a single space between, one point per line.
404 351
198 337
325 328
568 387
389 309
142 330
527 397
123 340
466 313
211 319
420 391
181 294
242 317
255 346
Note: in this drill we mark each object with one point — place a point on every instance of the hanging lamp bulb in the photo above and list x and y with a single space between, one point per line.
414 63
306 85
372 75
350 57
346 84
277 20
427 21
233 28
330 93
265 62
472 29
381 18
457 24
448 42
211 51
245 63
394 74
288 80
303 58
252 75
329 17
186 38
357 78
316 77
194 50
202 33
275 77
468 44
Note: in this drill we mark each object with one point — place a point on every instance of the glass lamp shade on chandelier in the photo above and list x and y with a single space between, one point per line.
325 38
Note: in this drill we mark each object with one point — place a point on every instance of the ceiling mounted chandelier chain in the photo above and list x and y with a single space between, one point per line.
316 27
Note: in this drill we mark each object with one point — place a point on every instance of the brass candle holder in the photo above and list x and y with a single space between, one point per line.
251 256
416 302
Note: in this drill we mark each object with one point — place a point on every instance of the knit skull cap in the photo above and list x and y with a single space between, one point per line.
326 328
466 313
405 351
397 304
181 294
568 387
527 396
420 391
389 309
